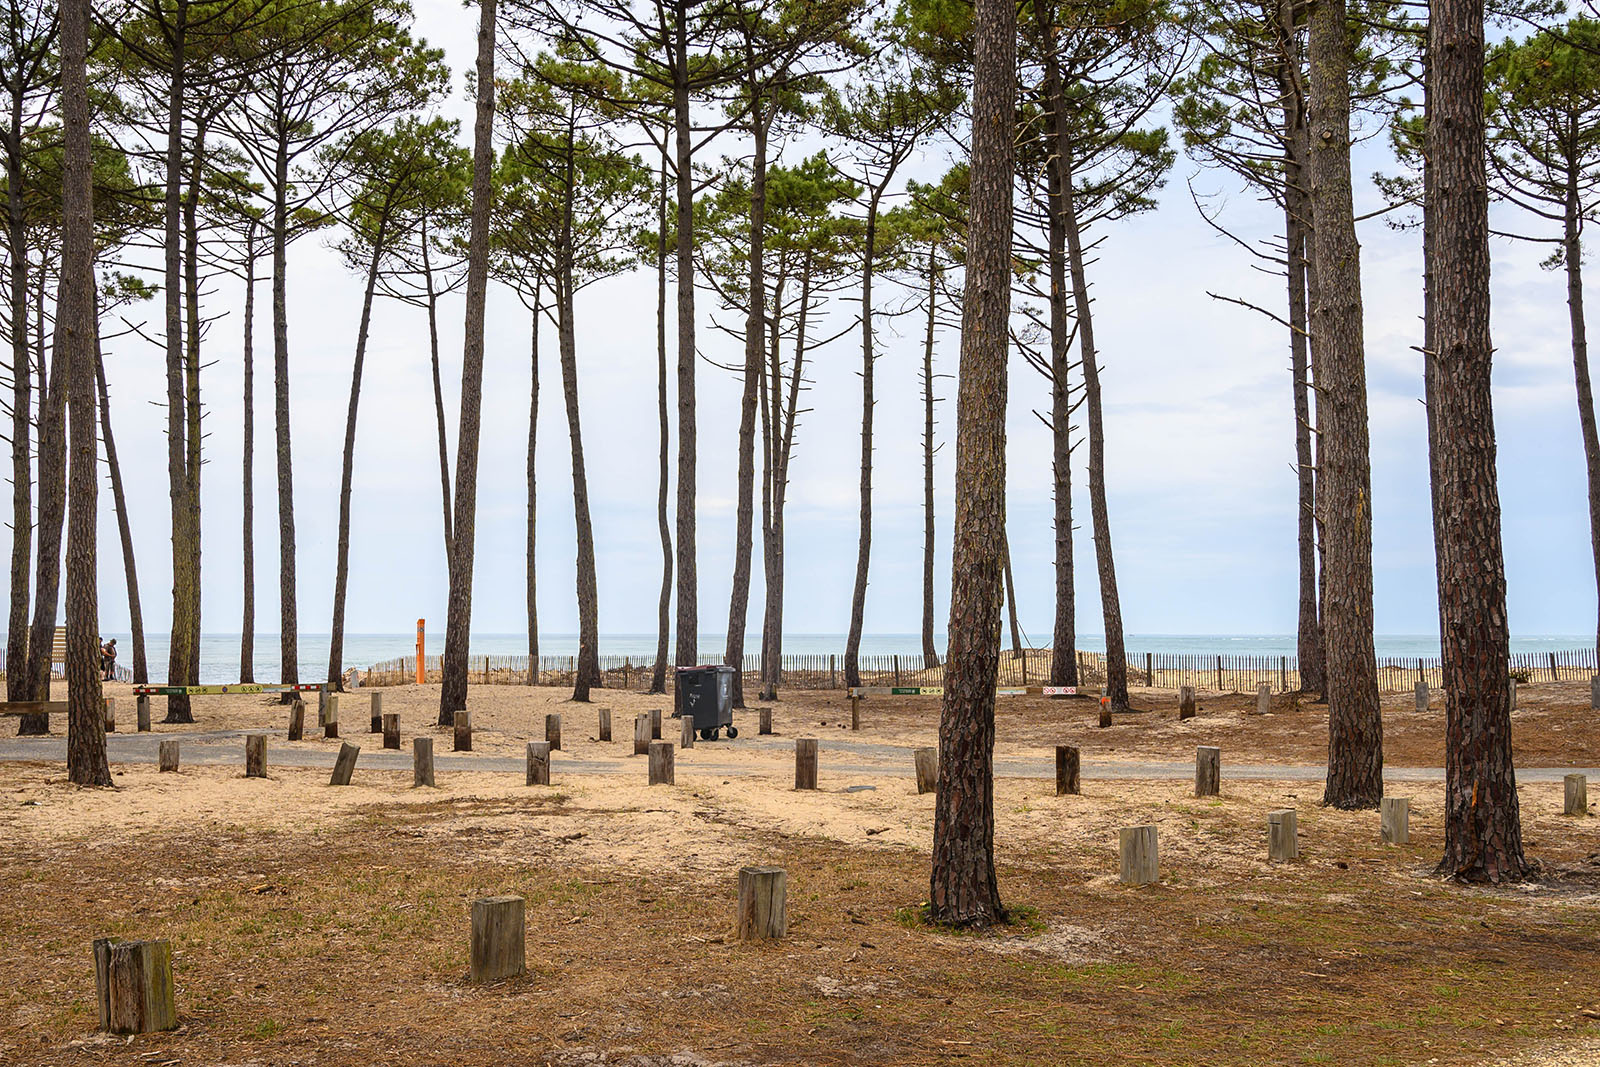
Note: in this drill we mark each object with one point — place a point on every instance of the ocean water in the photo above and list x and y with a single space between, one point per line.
219 652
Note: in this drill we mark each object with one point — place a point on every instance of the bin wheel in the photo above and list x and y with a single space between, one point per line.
733 731
707 734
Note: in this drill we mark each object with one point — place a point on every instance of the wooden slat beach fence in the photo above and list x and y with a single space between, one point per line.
1207 672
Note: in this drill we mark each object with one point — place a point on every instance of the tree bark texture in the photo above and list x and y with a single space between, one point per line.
1573 254
438 396
658 676
688 621
52 494
75 332
963 889
1355 727
247 629
1483 828
858 593
458 620
288 615
930 651
588 672
533 498
17 684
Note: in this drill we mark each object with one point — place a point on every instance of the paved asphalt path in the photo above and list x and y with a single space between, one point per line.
216 748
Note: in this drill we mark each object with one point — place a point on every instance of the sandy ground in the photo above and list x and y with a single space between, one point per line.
857 849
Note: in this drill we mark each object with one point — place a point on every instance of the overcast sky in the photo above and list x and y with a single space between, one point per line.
1199 446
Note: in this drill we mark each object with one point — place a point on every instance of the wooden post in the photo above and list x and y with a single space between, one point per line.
1422 695
661 771
1105 712
297 720
1554 675
330 717
1577 795
1067 777
421 761
1283 674
499 939
655 724
1594 692
538 763
604 730
926 761
1150 670
855 712
686 723
897 669
1185 702
552 731
1283 837
766 720
111 715
463 722
1219 674
1394 817
763 904
1263 699
1141 858
1207 771
833 681
133 986
141 712
377 713
345 765
805 763
1513 694
322 706
255 756
641 735
168 756
391 730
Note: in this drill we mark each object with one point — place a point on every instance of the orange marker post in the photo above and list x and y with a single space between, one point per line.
422 673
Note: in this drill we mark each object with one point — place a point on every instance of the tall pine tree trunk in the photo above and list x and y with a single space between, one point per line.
688 622
533 497
17 686
1110 601
588 672
963 890
858 593
755 335
341 570
930 651
247 632
1573 254
288 615
658 676
1064 640
130 572
1482 826
438 393
1308 646
52 516
191 396
184 573
458 619
75 331
1011 603
1355 727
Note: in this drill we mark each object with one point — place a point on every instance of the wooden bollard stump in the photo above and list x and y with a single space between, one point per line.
167 756
538 772
377 713
391 730
499 939
686 729
1105 713
1067 767
855 712
463 729
1264 699
766 721
330 716
655 724
1207 771
926 761
1283 836
1185 702
133 986
141 713
1594 692
255 756
552 731
1394 819
1577 794
1422 696
421 761
641 734
345 765
805 763
763 904
111 715
604 729
1140 855
661 769
297 720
